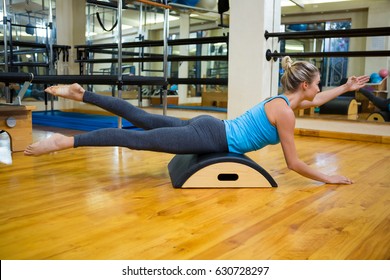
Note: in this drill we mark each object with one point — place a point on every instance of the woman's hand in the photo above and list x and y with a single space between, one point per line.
355 83
338 179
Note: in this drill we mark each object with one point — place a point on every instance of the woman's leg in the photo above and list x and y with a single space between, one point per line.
204 134
381 103
117 106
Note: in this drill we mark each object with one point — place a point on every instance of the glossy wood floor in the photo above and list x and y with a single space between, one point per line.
114 203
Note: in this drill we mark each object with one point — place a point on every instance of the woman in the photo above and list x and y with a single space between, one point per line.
270 122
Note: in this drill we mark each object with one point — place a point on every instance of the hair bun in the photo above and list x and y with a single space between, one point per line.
286 62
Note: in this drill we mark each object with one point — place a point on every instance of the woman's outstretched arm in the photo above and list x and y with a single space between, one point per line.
353 83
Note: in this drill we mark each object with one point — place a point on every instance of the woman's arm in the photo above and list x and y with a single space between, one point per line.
285 123
353 83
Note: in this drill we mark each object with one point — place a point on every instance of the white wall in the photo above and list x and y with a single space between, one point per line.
71 22
183 66
251 77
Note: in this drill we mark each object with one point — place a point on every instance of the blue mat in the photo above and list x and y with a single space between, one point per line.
77 121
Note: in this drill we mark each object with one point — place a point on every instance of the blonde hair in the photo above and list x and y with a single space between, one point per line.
296 72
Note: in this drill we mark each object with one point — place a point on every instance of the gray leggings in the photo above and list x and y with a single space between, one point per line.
202 134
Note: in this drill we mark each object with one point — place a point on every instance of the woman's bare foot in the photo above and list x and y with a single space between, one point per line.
73 92
56 142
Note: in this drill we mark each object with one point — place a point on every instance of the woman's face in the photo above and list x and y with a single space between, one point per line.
313 88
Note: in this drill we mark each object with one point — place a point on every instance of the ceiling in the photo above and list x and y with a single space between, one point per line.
302 3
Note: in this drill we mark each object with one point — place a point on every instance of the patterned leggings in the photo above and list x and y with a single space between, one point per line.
202 134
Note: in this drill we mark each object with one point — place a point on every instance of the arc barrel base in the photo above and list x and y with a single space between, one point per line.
218 170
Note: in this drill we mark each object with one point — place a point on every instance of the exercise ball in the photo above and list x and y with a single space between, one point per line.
383 73
207 4
375 78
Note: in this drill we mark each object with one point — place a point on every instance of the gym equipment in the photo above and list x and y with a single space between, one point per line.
218 170
381 116
84 50
223 6
16 121
341 106
102 24
30 29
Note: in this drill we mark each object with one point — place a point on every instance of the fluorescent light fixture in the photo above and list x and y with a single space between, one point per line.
290 3
294 48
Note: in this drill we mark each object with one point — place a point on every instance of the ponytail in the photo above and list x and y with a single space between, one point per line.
297 72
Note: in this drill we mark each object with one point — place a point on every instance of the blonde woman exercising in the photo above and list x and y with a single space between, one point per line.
270 122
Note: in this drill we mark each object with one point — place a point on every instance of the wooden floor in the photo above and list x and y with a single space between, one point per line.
114 203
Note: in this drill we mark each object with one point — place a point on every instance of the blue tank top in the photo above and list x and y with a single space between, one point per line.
252 130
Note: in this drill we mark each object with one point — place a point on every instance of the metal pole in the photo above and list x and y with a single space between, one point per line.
383 53
358 32
119 56
50 25
51 55
140 36
140 20
165 61
5 28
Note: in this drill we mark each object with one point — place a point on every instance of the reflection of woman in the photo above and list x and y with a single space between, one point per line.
269 122
381 103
